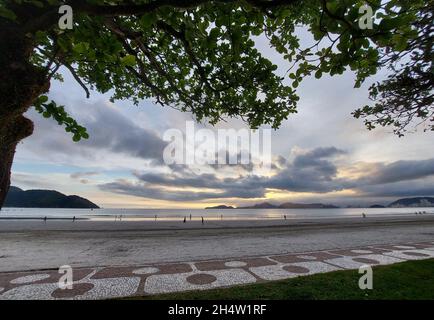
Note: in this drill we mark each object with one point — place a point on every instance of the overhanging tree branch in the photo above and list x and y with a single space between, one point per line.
77 78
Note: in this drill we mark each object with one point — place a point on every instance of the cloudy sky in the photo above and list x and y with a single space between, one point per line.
320 154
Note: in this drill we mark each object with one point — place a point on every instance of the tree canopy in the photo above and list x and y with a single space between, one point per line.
200 56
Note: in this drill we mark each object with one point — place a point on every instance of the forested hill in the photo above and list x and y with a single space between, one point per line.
45 199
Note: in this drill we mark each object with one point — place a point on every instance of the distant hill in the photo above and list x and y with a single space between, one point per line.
45 199
220 207
401 203
413 202
263 205
376 206
290 205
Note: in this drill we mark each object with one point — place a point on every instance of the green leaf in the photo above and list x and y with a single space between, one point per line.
6 13
128 60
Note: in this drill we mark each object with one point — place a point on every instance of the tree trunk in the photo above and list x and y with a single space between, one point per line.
20 84
10 134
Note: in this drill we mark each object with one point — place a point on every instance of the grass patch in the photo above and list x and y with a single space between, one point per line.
406 280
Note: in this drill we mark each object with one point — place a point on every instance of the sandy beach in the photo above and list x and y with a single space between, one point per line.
31 245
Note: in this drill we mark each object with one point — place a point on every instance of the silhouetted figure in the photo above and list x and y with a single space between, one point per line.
202 221
45 219
363 215
73 219
185 219
155 217
221 217
284 216
190 216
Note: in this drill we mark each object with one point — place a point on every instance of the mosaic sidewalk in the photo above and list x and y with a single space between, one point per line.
123 281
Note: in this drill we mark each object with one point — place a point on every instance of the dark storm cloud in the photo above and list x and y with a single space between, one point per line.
315 157
150 191
400 171
310 172
416 188
240 156
314 171
181 180
110 130
79 175
280 162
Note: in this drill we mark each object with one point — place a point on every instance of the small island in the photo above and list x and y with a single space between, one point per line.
222 206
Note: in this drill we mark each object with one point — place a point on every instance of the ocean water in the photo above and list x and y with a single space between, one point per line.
213 214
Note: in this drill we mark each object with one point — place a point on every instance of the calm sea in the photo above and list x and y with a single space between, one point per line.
216 214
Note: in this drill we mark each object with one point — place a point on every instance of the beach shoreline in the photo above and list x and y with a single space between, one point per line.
22 224
31 245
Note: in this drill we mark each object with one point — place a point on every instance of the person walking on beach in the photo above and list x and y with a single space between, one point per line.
203 221
45 219
190 216
363 215
73 219
155 217
185 219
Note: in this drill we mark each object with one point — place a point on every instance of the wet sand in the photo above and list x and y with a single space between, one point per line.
30 244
